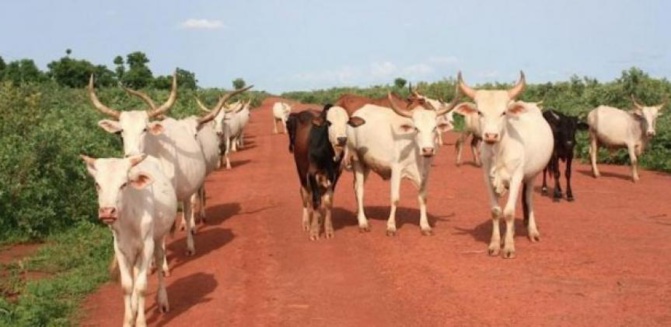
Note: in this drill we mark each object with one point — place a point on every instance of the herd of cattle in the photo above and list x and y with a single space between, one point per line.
167 160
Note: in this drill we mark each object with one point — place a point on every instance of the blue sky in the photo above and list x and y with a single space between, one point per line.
302 44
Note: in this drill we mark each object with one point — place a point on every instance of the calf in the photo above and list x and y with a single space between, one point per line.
517 146
139 204
616 128
317 150
563 128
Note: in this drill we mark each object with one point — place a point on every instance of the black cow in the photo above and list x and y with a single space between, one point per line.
563 129
318 167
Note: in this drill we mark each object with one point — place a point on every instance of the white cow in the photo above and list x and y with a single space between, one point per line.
471 128
281 111
170 140
616 128
244 115
447 118
138 202
517 146
395 144
228 125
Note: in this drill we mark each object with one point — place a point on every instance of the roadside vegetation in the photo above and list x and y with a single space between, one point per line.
47 197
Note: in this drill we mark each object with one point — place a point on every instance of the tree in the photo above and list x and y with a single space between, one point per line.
185 80
3 66
138 75
400 83
239 83
23 71
120 68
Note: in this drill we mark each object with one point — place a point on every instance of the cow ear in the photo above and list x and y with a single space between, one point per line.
317 121
516 108
465 108
156 128
356 121
444 127
90 164
141 180
111 126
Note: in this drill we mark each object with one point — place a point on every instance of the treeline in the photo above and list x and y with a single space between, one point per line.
133 72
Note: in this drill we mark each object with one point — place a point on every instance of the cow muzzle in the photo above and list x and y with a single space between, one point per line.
490 138
341 141
107 215
650 133
428 152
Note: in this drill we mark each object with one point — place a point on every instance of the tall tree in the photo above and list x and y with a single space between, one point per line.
23 71
120 69
400 83
138 75
239 83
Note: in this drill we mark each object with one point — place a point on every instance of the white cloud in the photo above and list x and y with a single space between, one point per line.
193 23
418 70
449 60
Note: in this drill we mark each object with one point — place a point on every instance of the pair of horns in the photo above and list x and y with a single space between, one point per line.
211 113
639 106
442 111
512 93
153 112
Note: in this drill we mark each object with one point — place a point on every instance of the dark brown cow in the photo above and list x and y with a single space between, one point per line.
318 162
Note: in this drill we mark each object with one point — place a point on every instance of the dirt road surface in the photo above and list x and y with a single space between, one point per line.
603 260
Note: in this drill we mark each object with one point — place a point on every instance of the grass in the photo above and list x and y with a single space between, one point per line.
72 265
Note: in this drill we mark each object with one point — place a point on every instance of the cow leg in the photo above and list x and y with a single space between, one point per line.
475 141
164 266
162 294
307 209
509 216
423 217
593 149
567 174
327 204
188 213
140 282
284 125
315 226
360 175
634 162
459 145
528 206
203 203
495 241
395 196
555 171
193 203
126 277
226 154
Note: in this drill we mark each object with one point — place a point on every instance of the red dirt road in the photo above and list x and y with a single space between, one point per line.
603 260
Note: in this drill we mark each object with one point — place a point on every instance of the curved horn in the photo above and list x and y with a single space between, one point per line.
663 104
144 97
465 88
96 103
398 111
636 104
168 103
201 105
519 87
212 113
234 93
452 104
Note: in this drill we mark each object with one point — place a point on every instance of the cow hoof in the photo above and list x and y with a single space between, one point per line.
427 232
190 253
164 308
534 238
556 199
570 199
364 229
166 273
544 191
391 233
494 250
508 254
314 237
182 228
329 235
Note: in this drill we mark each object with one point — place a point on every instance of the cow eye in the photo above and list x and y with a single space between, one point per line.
119 132
480 113
97 187
123 185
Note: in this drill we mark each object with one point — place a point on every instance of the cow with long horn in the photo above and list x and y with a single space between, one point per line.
395 144
517 146
169 140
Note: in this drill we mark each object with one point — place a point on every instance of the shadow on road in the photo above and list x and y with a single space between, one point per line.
344 217
183 294
205 241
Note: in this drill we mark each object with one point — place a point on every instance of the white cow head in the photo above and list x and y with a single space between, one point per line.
492 106
112 177
134 125
423 124
648 115
447 118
